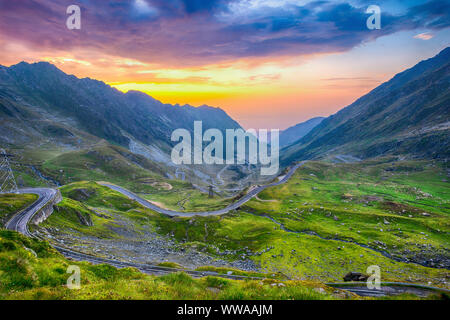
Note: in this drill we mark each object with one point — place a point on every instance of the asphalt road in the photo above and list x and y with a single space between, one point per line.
227 209
145 268
388 289
19 222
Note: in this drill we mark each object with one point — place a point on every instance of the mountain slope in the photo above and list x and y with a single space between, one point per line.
408 115
46 113
294 133
40 91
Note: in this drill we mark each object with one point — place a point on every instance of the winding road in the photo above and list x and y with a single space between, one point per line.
252 193
20 221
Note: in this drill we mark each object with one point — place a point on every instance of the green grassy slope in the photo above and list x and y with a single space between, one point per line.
327 220
408 115
273 234
89 208
31 269
101 163
119 166
12 203
378 205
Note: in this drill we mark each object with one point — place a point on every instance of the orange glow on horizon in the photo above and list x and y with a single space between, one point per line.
258 93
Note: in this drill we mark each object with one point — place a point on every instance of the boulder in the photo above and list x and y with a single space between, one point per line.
355 276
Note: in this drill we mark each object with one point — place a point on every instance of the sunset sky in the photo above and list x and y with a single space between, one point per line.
268 63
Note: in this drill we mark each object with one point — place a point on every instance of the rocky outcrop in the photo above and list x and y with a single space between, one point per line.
82 194
47 210
355 276
85 220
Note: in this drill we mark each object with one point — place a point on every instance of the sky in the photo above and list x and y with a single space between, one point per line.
268 63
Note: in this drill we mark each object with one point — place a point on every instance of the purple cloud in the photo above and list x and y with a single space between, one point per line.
196 32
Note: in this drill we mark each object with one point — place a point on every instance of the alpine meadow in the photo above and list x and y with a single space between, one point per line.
224 150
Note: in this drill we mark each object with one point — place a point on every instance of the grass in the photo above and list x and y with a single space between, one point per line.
336 203
89 201
100 163
187 199
233 271
375 204
31 269
365 204
136 173
315 230
172 265
114 164
13 203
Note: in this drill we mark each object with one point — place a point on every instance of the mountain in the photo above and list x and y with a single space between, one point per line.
407 116
46 113
41 99
294 133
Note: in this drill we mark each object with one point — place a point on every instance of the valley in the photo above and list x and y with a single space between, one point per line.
344 220
364 187
353 215
350 227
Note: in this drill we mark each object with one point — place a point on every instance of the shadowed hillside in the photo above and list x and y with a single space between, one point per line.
408 115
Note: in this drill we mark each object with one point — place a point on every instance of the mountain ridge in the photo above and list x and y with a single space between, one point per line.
382 121
102 110
298 131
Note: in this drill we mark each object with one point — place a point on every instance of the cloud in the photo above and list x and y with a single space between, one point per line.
197 32
433 14
192 6
423 36
368 79
142 9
